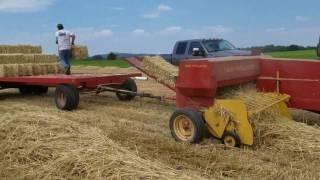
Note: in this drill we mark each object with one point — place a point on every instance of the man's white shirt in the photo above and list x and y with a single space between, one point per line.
64 39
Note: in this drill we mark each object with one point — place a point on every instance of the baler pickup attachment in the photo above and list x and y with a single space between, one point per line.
229 119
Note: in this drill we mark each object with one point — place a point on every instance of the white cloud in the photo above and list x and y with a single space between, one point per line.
163 7
118 8
104 33
302 18
152 15
171 30
24 5
274 30
219 29
139 31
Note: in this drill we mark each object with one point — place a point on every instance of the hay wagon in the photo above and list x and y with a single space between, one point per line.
68 88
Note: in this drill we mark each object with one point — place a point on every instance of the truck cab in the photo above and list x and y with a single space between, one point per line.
193 49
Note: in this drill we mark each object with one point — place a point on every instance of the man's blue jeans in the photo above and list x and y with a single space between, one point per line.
64 58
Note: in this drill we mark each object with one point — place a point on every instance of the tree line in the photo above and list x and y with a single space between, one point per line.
277 48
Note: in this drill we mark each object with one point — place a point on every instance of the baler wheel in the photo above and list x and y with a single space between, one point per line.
187 126
231 139
66 97
129 85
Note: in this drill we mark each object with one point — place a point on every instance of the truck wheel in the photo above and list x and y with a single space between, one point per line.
40 90
187 126
25 90
129 85
231 139
66 97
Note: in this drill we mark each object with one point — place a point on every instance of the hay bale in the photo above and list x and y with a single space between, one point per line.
158 67
25 70
24 49
79 52
27 58
45 58
36 69
9 70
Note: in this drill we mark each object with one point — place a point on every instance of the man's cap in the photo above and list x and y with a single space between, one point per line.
60 26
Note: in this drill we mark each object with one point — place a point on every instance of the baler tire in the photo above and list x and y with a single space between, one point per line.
66 97
233 136
26 90
197 133
40 90
129 85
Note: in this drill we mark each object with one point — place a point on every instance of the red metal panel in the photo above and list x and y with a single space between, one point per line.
233 72
198 80
299 79
195 86
85 81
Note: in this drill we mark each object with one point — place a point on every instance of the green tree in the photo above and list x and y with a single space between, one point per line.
112 56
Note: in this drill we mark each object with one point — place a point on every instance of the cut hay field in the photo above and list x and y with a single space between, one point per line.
106 138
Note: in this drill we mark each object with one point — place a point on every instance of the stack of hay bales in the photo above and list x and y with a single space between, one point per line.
24 49
79 52
159 68
26 60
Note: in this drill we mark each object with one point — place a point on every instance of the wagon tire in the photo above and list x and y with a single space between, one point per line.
66 97
129 85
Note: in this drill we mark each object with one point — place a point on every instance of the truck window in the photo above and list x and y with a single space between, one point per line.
181 48
195 45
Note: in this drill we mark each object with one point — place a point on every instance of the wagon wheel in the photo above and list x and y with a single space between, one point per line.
187 126
66 97
129 85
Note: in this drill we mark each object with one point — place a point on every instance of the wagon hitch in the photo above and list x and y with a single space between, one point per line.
102 88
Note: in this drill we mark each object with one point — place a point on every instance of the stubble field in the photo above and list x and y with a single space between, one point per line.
108 139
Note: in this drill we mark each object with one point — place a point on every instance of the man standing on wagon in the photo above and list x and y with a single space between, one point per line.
64 39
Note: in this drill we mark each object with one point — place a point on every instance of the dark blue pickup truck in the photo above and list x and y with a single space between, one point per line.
206 48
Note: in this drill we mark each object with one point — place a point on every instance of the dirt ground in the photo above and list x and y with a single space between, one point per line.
141 128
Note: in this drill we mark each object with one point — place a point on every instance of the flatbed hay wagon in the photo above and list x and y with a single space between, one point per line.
68 88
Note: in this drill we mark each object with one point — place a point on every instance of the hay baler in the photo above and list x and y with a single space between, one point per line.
198 107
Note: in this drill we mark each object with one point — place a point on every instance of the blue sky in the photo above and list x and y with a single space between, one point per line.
152 26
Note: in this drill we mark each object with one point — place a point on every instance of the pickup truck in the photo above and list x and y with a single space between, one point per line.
197 48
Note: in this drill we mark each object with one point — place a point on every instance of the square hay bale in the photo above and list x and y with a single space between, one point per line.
161 69
45 58
25 70
11 58
79 52
53 68
28 58
9 70
36 69
24 49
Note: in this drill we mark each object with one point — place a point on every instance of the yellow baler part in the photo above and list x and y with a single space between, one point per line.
216 123
237 112
283 110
